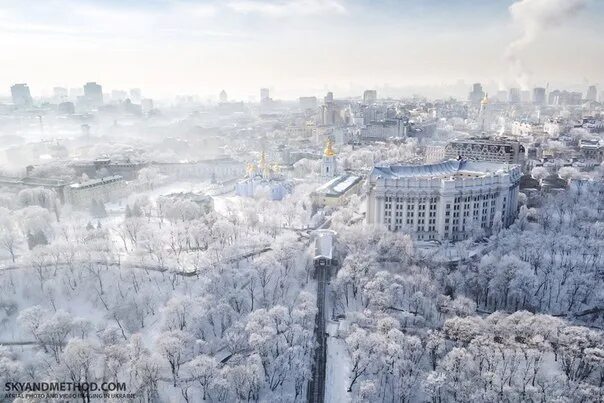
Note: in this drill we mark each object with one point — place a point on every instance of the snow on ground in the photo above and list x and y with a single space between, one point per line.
222 204
338 367
175 187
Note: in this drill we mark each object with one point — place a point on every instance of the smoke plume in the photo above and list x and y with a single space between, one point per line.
534 17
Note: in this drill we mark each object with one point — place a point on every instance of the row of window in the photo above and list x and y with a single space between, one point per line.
398 226
411 199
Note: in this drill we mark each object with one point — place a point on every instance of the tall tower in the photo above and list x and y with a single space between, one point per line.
328 164
484 103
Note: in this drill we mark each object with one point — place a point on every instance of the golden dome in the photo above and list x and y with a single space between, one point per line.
485 100
329 152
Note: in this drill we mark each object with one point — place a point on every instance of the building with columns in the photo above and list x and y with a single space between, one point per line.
450 200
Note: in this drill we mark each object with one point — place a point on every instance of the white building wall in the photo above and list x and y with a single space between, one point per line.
435 208
328 167
105 192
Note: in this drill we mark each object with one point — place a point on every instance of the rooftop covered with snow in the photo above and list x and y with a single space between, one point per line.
441 169
96 182
339 185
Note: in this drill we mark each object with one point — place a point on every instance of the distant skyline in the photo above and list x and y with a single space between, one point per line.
200 47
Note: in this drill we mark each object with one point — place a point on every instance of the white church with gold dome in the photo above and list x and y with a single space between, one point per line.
264 180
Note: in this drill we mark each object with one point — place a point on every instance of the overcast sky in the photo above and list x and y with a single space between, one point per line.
176 47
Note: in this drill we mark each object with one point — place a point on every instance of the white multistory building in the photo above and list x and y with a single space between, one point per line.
435 152
451 200
522 129
553 128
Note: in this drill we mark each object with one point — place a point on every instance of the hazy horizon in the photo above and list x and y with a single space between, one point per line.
298 47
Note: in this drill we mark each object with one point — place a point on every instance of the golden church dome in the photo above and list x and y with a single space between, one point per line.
329 152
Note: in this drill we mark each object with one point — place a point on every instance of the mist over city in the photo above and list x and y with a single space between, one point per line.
302 201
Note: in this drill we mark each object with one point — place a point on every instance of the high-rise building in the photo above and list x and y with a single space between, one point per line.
515 97
554 97
223 97
592 93
330 111
476 95
264 94
21 95
525 97
539 96
328 98
93 94
135 95
369 96
558 97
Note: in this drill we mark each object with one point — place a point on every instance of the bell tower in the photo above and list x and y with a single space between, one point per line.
328 164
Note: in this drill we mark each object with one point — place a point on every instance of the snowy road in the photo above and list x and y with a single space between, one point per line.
337 375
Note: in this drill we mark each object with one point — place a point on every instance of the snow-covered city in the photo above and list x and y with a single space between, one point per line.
206 228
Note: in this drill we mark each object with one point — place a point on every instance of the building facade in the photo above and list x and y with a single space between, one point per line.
218 169
264 180
476 94
337 191
17 184
369 96
104 190
451 200
539 96
102 167
390 128
435 152
478 149
93 94
21 95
